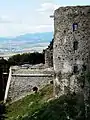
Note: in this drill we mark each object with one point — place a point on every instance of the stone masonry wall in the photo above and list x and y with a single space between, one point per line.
48 57
23 80
71 49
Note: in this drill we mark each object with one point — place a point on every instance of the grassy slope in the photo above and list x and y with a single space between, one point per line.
29 104
36 107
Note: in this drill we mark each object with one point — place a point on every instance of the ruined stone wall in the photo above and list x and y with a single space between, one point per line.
49 55
23 80
71 49
48 58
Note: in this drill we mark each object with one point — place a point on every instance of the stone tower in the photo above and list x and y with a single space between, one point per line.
71 49
49 55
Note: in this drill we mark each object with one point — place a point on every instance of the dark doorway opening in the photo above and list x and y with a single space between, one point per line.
35 89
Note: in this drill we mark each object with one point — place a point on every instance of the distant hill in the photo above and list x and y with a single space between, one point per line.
26 42
40 37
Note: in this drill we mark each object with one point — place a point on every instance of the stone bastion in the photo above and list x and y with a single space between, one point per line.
22 80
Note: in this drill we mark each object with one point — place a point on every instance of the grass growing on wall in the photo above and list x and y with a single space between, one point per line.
39 107
29 104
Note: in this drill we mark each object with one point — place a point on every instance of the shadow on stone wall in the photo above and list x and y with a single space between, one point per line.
2 111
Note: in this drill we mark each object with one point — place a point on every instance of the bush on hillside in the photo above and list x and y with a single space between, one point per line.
27 58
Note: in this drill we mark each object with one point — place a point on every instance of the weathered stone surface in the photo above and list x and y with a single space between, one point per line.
71 49
48 58
49 55
23 81
21 86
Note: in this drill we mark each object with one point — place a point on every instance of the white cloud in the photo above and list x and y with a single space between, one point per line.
48 7
44 28
13 29
9 19
12 25
5 19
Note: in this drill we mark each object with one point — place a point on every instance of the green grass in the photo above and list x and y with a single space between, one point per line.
63 108
36 107
29 104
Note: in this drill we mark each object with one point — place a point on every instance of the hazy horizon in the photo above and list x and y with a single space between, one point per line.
22 17
35 42
19 17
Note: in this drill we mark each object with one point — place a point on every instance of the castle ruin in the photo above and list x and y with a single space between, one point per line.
71 48
69 56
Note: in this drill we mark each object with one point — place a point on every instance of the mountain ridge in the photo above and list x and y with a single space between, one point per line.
26 42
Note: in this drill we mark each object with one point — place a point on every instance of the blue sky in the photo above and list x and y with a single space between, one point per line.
26 16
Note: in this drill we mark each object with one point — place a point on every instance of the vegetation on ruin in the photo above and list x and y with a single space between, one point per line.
27 58
29 105
42 106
